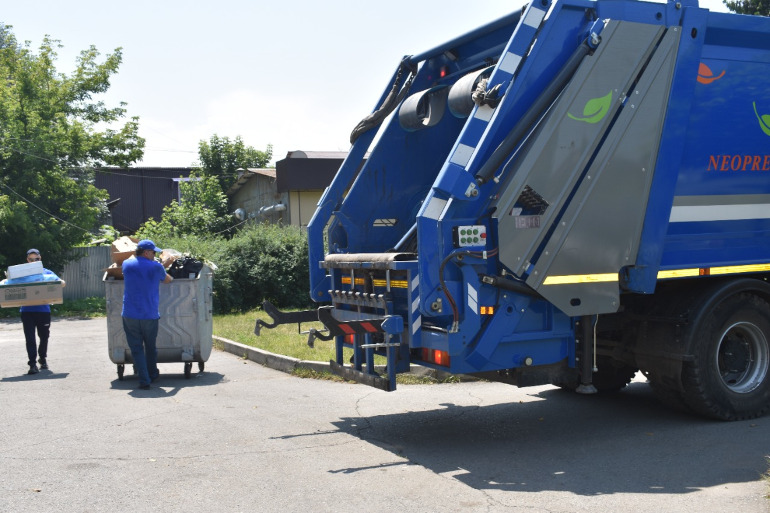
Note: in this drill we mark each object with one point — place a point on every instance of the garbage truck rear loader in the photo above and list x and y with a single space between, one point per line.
568 195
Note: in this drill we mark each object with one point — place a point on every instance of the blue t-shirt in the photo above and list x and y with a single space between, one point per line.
41 308
142 279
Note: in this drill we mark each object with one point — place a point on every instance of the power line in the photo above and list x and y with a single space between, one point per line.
43 210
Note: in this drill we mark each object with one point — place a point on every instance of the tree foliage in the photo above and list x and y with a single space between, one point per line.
753 7
222 158
53 131
260 262
203 211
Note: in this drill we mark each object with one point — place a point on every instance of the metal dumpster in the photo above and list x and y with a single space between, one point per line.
185 327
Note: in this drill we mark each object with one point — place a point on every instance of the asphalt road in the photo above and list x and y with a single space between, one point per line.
242 437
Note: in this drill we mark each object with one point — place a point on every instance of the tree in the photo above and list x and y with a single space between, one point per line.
222 158
203 212
754 7
52 134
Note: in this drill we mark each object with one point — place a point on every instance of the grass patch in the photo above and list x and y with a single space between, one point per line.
284 339
304 372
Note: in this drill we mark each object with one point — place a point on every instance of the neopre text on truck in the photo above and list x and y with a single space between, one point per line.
568 195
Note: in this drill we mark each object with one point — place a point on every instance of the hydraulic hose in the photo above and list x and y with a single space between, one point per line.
395 96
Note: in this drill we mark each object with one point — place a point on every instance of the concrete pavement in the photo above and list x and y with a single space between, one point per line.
244 437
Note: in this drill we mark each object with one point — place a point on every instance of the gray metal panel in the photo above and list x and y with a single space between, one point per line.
84 275
186 323
561 149
600 229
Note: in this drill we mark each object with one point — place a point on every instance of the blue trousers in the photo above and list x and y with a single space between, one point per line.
141 335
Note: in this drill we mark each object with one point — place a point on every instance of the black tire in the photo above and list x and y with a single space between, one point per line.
201 366
121 370
612 376
187 370
729 377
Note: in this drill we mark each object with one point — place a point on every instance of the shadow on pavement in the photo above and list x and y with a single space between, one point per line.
167 385
586 445
43 374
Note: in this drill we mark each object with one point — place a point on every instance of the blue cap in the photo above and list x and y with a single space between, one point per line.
33 250
146 244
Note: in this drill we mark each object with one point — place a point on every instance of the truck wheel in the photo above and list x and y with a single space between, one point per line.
729 378
612 375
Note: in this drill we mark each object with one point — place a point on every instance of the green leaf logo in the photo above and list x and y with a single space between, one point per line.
764 120
595 109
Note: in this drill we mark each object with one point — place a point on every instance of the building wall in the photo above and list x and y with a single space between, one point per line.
143 192
302 207
258 192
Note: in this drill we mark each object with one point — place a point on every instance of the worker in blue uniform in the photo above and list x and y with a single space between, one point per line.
37 317
143 275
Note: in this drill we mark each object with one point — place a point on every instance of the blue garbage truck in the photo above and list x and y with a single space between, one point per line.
569 195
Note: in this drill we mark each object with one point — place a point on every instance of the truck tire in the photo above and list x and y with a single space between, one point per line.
729 376
612 375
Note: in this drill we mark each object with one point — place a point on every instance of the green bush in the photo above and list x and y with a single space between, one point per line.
260 262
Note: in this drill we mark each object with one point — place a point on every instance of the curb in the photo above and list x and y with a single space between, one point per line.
274 361
288 364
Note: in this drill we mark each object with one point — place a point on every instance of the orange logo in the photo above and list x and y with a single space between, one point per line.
706 76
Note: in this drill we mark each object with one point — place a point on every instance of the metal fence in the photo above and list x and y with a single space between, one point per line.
84 275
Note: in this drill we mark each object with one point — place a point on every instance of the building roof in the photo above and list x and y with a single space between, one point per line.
247 175
308 170
300 154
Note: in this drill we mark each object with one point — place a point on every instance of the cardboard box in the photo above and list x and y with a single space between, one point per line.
30 294
122 249
114 271
22 270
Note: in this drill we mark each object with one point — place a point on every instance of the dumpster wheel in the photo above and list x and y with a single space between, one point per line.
187 369
121 369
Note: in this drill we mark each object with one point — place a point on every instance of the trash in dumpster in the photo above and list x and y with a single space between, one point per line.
122 248
177 264
185 267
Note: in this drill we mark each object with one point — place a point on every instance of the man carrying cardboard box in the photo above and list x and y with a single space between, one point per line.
37 317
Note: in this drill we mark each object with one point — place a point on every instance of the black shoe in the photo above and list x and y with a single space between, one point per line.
144 387
43 364
33 369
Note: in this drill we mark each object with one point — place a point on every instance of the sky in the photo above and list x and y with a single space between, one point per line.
297 75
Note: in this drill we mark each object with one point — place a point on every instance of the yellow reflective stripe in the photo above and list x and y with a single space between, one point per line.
399 284
678 273
580 278
731 269
713 271
662 275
